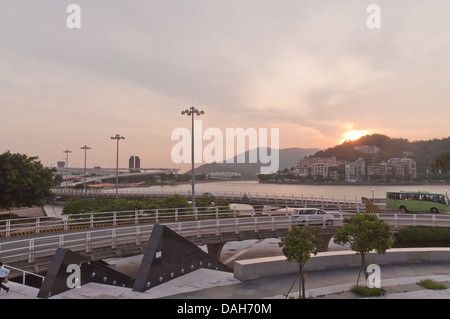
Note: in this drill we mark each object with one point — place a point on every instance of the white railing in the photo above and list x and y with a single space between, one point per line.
24 273
254 196
85 241
38 225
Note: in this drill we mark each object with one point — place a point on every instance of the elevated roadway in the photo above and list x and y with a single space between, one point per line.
121 234
109 173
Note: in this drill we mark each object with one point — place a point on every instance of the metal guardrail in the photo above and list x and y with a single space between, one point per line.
85 241
24 273
37 225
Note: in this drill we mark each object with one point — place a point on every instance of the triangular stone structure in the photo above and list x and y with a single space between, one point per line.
168 256
55 281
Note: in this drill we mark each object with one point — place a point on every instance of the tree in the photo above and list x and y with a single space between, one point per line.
441 163
298 245
23 181
364 233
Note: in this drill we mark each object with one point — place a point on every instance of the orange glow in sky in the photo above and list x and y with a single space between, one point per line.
352 135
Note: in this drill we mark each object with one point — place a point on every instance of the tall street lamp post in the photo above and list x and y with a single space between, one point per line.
67 163
191 112
85 148
117 138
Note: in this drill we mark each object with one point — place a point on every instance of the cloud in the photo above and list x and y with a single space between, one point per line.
312 68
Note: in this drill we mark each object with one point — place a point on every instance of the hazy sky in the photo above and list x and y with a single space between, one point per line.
311 68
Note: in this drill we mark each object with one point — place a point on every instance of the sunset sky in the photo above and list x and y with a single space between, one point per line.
311 68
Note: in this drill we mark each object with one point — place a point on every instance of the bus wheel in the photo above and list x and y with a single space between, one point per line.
402 209
434 210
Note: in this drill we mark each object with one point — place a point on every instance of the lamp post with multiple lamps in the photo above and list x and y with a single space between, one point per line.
85 148
67 163
191 112
117 138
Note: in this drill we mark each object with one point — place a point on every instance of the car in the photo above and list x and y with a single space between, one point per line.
312 216
209 195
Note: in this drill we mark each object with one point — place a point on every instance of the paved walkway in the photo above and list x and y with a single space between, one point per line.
398 280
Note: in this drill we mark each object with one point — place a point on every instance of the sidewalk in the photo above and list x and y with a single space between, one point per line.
398 280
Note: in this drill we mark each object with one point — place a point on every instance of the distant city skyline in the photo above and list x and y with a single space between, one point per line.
313 69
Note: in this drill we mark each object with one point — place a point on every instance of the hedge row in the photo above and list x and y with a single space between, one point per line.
423 236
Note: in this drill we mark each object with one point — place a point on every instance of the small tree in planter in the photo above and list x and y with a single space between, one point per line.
364 233
298 245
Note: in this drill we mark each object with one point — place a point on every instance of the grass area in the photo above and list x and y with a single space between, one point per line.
365 291
431 284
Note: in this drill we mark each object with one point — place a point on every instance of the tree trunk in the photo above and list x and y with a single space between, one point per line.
301 284
363 268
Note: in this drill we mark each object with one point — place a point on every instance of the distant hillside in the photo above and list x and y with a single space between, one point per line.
423 152
288 157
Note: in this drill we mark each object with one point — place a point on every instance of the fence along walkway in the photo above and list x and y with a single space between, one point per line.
38 225
37 247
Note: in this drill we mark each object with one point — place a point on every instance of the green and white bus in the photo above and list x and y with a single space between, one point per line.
417 201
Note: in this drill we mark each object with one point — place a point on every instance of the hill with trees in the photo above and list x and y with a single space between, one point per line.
288 158
423 152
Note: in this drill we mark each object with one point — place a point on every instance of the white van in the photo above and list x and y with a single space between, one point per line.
312 216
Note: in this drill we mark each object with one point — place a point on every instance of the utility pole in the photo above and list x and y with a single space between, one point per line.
117 138
85 148
191 112
67 163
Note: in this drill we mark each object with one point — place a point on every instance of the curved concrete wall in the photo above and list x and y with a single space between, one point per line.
273 266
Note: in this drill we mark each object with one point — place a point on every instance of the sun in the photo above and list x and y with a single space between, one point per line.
352 135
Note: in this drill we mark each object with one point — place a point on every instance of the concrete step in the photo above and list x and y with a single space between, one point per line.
18 291
26 212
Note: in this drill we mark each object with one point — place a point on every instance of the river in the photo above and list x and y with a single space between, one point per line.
337 191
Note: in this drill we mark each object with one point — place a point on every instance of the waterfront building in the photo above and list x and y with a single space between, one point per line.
402 167
355 171
367 149
223 175
134 162
319 169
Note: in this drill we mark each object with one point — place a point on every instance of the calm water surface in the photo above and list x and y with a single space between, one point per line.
338 191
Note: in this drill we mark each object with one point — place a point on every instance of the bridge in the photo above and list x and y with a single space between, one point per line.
120 234
109 173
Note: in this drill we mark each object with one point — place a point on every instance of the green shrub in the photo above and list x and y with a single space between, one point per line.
423 236
431 284
365 291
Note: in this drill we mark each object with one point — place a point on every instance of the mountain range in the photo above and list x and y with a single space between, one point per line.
423 152
288 157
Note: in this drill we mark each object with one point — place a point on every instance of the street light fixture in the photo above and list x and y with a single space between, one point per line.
85 148
192 111
117 138
67 163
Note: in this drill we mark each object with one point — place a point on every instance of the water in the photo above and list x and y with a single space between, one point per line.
338 191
